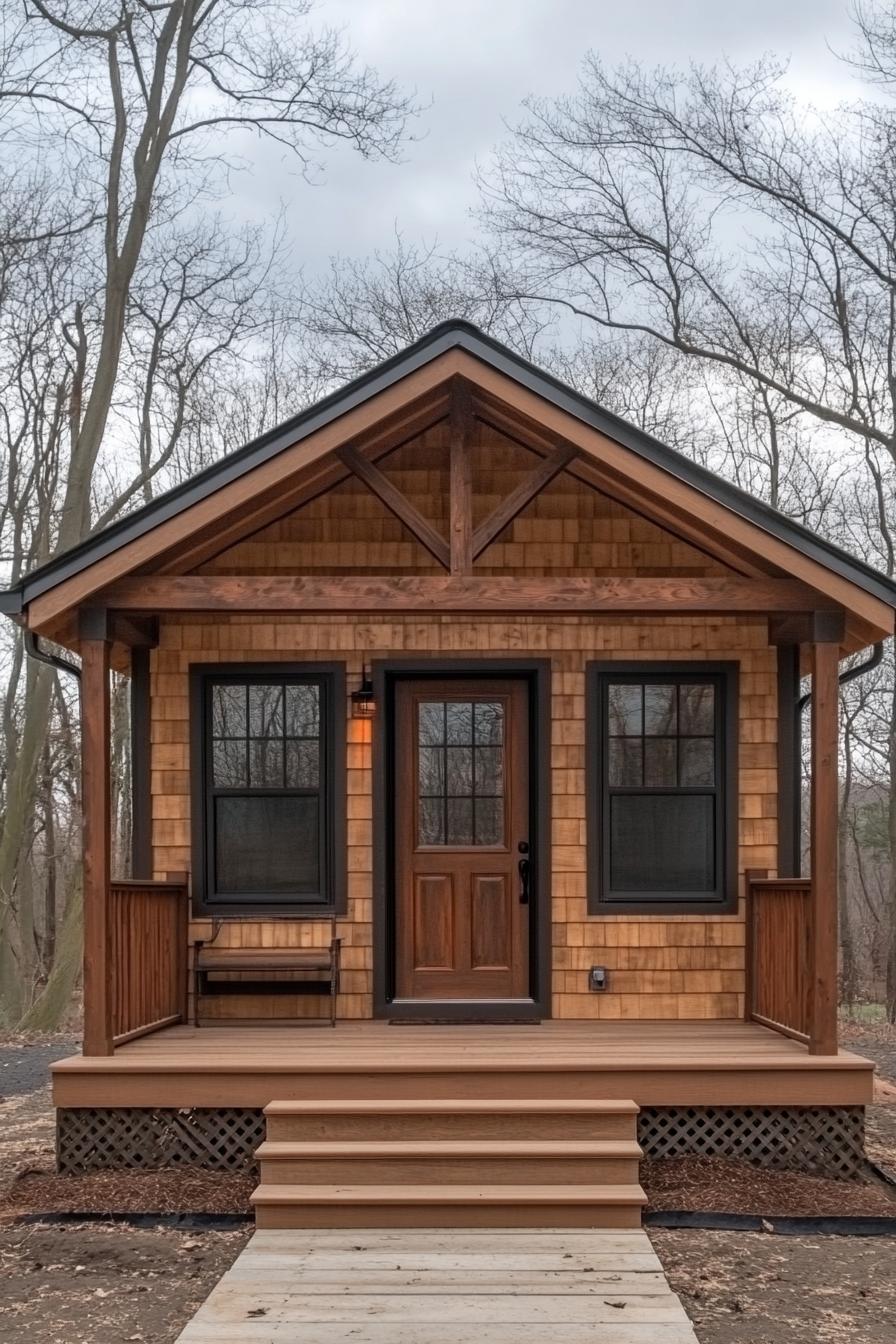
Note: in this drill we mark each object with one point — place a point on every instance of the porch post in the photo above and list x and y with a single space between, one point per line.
823 848
96 821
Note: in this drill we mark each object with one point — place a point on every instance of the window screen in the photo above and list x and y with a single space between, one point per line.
658 795
267 768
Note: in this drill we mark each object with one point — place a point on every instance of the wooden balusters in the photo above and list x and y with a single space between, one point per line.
779 937
148 949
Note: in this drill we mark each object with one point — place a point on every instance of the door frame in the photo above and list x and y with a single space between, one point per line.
536 672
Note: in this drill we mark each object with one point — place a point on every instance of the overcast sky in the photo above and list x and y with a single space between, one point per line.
476 60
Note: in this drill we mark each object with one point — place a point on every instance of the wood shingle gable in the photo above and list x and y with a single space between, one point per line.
459 378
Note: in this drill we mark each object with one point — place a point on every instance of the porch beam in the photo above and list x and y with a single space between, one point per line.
398 504
95 632
524 493
823 845
460 476
808 627
136 632
456 593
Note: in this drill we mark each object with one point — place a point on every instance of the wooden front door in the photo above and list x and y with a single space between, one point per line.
462 863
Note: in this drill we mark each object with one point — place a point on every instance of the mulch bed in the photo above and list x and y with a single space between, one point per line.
716 1185
183 1190
686 1183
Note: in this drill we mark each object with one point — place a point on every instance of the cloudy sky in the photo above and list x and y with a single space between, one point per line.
475 60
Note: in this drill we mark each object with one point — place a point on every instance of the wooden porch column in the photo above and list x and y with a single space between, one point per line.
96 807
823 848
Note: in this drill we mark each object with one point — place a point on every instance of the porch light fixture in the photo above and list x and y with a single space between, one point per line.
363 699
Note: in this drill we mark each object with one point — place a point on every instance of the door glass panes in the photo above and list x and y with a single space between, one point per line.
460 772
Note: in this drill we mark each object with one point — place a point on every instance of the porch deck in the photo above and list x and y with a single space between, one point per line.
682 1063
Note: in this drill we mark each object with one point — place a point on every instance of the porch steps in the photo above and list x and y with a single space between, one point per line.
449 1163
488 1161
409 1118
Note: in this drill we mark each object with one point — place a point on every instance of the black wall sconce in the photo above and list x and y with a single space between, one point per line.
363 699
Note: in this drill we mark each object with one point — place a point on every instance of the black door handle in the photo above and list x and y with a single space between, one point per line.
524 867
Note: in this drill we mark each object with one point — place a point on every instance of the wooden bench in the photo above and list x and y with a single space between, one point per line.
262 963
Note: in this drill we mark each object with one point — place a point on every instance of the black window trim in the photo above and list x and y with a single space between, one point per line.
725 900
333 793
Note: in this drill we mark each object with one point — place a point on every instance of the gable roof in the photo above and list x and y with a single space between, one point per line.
446 337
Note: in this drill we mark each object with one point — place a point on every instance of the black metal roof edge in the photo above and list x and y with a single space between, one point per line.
670 459
456 333
235 464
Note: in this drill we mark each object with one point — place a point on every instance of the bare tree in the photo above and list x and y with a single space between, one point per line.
364 311
711 212
132 108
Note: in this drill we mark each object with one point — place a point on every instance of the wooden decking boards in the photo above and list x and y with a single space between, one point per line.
444 1287
654 1063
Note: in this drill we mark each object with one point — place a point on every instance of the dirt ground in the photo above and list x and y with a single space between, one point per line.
100 1283
754 1288
106 1283
88 1283
750 1288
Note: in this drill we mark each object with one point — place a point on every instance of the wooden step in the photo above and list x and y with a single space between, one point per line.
430 1206
450 1118
450 1162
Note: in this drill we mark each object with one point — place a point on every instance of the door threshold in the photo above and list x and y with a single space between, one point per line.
464 1021
463 1012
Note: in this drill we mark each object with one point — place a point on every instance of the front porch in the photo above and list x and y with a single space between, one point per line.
375 1124
693 1064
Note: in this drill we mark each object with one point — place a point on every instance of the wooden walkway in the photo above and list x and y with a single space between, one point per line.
443 1287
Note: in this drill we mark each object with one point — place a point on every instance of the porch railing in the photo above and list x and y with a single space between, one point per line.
779 954
148 953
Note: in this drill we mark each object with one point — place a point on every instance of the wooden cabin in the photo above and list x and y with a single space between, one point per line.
466 810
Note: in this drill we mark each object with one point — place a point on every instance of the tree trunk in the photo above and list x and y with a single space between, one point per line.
891 817
48 943
50 1006
120 768
849 974
21 796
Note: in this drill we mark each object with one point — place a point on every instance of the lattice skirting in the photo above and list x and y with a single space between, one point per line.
827 1140
220 1139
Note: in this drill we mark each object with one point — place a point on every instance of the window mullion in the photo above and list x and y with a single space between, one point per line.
248 740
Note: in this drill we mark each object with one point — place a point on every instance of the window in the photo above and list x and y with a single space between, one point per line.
266 755
661 786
